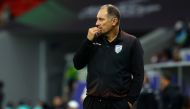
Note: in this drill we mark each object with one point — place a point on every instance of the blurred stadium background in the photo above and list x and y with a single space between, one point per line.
39 37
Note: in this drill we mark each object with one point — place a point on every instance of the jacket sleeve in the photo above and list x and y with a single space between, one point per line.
137 70
82 56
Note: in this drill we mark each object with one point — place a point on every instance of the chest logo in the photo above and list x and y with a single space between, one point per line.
118 48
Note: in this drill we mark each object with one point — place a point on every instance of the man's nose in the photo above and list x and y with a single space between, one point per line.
97 23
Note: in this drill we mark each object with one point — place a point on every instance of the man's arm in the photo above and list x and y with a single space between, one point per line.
82 56
137 70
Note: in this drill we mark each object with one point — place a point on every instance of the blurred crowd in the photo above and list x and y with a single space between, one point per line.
57 103
168 96
179 50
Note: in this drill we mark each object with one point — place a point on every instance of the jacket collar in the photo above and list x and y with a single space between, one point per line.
117 39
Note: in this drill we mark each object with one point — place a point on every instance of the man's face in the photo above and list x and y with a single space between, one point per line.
104 22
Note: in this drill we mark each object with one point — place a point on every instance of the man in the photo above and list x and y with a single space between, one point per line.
114 62
171 97
58 103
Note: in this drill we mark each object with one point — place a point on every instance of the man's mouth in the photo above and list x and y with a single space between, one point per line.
100 28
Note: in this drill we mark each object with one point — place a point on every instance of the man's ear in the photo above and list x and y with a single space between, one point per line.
114 21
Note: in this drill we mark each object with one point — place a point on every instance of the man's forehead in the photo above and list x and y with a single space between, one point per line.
102 12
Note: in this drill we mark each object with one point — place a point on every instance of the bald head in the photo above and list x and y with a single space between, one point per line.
112 11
